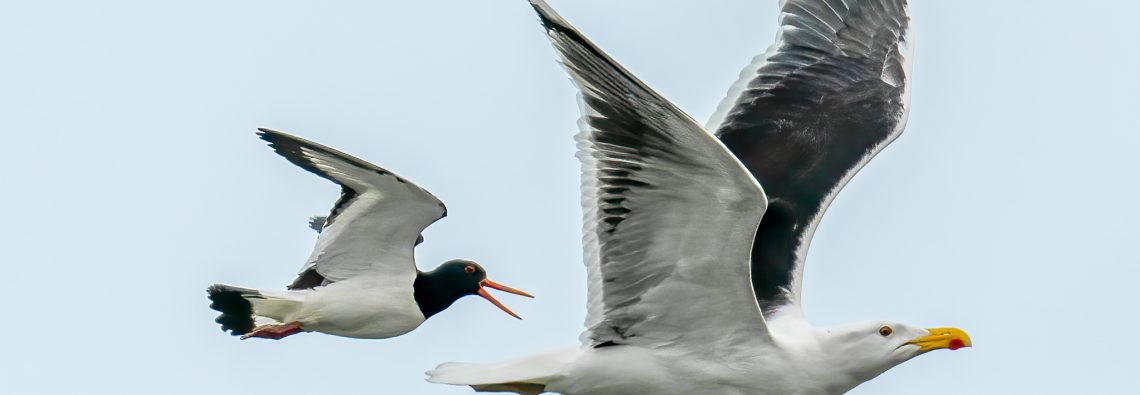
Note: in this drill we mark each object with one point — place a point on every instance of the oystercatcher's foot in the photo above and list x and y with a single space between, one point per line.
274 331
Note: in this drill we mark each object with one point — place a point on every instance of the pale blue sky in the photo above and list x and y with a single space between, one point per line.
132 180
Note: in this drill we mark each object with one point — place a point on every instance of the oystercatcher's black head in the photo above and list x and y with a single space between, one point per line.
454 279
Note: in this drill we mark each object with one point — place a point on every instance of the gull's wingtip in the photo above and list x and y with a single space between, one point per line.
267 134
546 14
275 137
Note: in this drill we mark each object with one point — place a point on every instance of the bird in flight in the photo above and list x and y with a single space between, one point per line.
361 280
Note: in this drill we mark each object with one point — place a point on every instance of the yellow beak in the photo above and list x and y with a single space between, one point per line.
939 338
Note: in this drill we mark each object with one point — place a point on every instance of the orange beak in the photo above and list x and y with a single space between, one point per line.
483 285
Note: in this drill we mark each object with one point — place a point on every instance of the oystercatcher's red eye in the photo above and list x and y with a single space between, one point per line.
469 269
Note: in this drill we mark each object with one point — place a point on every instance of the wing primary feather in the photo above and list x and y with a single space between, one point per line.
317 222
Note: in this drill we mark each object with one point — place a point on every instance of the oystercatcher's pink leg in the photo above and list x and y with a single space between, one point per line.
275 332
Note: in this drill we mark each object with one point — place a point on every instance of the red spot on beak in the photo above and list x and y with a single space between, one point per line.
956 344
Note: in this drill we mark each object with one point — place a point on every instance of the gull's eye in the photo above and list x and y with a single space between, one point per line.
886 331
469 269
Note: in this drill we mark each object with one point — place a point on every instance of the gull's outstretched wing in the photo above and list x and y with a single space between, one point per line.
670 214
807 115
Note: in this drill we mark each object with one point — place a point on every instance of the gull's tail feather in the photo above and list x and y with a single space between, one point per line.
527 376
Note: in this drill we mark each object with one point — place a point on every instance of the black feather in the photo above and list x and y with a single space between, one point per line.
237 311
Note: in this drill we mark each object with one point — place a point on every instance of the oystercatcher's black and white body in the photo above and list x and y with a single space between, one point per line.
361 280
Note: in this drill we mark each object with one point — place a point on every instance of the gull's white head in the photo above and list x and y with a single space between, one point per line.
865 350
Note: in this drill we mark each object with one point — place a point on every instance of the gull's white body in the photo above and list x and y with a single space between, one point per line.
628 370
797 362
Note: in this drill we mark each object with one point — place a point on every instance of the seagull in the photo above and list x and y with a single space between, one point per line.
690 291
361 280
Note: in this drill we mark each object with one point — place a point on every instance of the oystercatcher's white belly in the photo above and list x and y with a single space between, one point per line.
361 307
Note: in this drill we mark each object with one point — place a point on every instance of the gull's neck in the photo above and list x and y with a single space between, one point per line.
818 353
